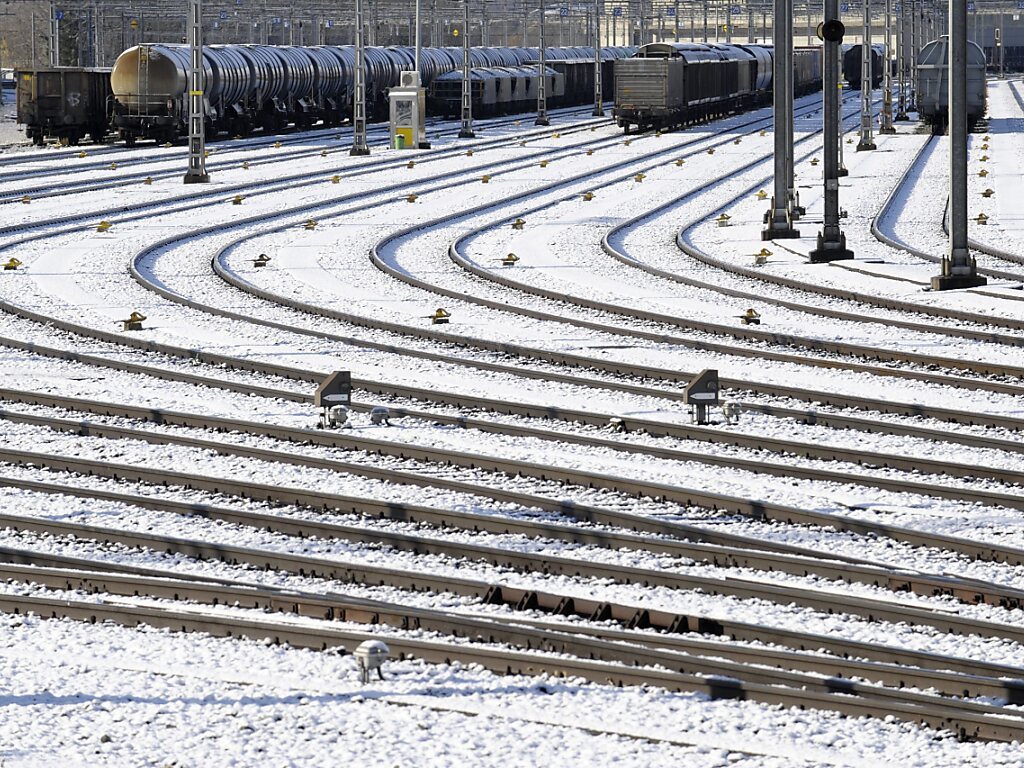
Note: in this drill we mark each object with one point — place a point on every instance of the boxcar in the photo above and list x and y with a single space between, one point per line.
64 103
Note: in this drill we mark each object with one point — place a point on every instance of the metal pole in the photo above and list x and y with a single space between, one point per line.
598 87
359 147
887 126
643 23
831 239
675 21
705 4
196 173
778 219
795 209
750 24
867 133
915 48
418 42
466 131
958 267
901 63
810 29
542 78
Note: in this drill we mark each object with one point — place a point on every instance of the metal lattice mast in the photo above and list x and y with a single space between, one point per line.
831 240
466 131
779 219
915 46
901 58
887 126
542 77
598 88
958 267
867 130
196 173
359 99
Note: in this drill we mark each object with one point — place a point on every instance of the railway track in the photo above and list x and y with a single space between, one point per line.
968 719
718 548
990 328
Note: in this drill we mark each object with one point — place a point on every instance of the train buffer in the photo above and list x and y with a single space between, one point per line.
723 220
440 316
134 322
761 257
518 224
261 261
750 317
509 260
11 264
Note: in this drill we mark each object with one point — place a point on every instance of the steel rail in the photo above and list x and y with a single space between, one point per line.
504 405
66 187
746 333
295 180
900 408
988 725
754 508
892 242
688 633
288 136
329 567
720 549
857 297
621 255
677 653
561 297
403 450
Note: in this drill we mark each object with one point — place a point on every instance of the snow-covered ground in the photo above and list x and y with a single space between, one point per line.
79 694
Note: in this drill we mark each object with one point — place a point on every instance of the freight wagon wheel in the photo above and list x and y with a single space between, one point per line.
97 137
129 140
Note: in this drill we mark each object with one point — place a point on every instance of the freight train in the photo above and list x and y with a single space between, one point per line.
269 87
671 84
